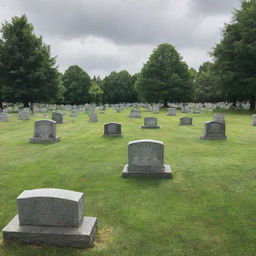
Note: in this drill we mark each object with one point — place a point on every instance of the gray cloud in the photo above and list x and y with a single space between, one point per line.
124 32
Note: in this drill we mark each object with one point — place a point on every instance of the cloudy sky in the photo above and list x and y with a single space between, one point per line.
111 35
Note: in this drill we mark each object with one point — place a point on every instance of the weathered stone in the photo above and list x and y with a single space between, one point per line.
44 131
214 131
57 117
52 217
146 159
93 117
24 115
135 113
219 118
185 121
253 120
50 207
171 112
150 123
3 117
112 129
156 109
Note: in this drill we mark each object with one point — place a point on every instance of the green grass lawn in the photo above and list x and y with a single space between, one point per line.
209 208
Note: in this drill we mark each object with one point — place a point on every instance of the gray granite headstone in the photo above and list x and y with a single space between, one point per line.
150 123
51 216
146 159
185 121
156 109
93 117
3 117
135 113
254 120
24 115
219 118
214 130
171 112
112 129
44 131
57 117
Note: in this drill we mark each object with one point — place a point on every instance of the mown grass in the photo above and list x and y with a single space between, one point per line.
207 209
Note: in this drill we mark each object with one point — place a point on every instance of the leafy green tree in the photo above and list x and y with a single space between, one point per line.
96 93
235 55
206 84
77 83
119 87
165 77
27 70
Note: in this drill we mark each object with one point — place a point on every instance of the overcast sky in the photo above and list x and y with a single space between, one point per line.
111 35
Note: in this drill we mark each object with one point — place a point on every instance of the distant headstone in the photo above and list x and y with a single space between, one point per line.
219 118
171 112
24 115
185 121
135 113
57 117
146 159
214 130
156 109
254 120
51 216
73 114
3 117
44 131
93 117
112 129
150 123
196 111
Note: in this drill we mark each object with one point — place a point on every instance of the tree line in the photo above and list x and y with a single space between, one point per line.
28 72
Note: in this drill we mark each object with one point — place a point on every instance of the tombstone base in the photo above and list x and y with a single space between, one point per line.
147 127
80 237
112 135
166 174
213 138
44 140
185 124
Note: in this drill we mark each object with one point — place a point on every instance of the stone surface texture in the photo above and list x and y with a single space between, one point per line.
214 130
112 129
57 117
150 123
185 121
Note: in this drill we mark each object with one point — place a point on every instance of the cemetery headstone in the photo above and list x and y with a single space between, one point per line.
57 117
135 113
44 131
53 217
150 123
171 112
146 159
214 130
3 117
253 120
219 117
185 121
112 129
93 117
24 115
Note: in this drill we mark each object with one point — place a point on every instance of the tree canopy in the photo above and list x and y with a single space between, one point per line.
235 55
27 70
119 87
165 77
77 83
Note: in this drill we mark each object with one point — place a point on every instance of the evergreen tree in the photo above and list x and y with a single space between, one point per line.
27 70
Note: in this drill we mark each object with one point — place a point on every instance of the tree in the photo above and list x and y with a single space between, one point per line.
119 87
96 93
77 83
235 55
206 84
165 77
27 70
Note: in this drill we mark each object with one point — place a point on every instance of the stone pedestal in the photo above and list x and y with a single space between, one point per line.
146 159
53 217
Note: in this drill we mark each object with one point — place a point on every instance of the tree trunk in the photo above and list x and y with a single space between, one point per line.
1 106
252 103
234 103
